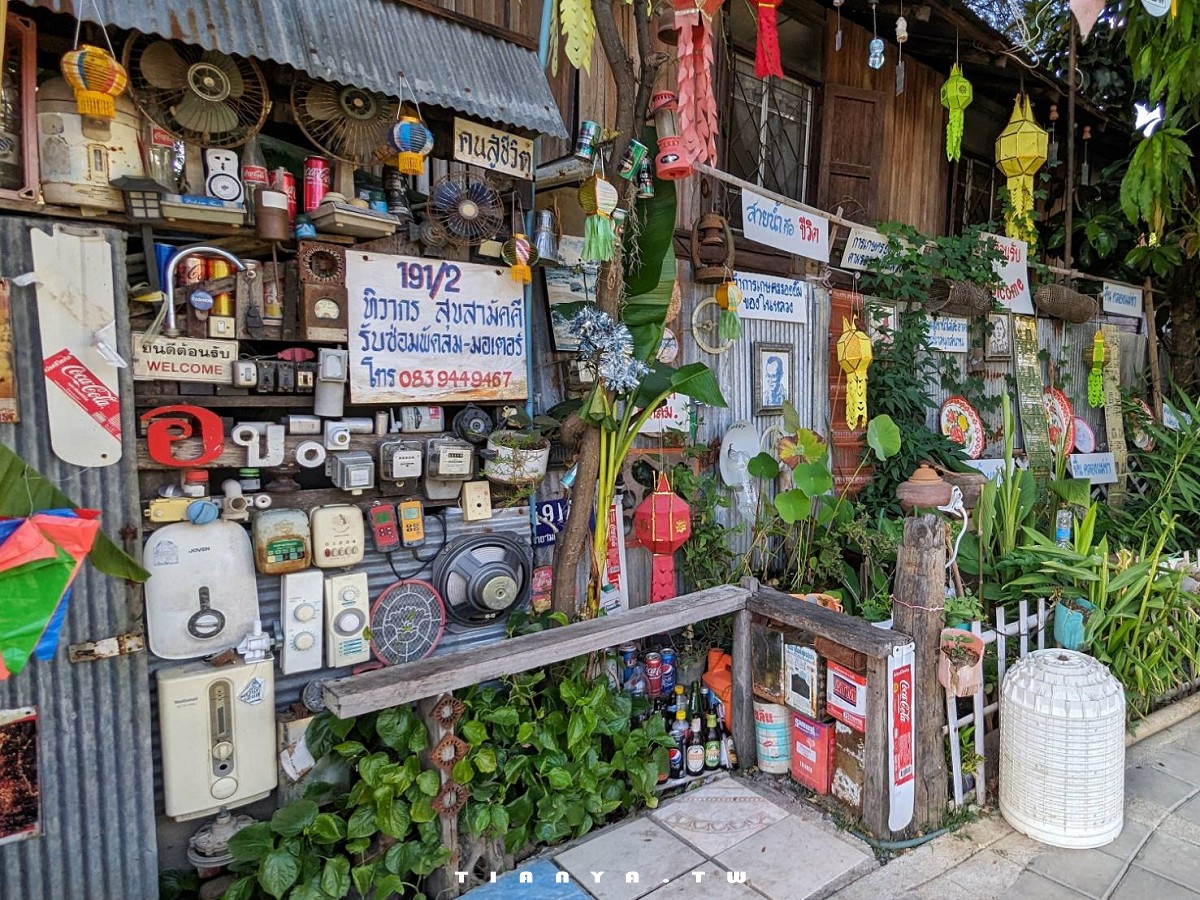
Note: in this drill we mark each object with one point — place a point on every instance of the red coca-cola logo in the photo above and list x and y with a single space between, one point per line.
89 386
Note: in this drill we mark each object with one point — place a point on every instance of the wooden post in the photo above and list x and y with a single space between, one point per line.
441 882
920 599
876 765
1156 396
743 697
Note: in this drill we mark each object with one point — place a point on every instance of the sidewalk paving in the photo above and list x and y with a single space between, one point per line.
787 849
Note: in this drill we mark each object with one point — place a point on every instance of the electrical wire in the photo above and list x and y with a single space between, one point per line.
422 560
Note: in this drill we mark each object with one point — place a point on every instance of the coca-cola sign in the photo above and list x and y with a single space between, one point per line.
82 385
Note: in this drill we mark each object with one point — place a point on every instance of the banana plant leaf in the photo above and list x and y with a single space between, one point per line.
23 490
650 267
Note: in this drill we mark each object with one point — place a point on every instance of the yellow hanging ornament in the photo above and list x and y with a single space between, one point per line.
578 25
1095 385
854 356
1020 152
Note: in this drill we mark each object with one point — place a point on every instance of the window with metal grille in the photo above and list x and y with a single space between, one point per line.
769 131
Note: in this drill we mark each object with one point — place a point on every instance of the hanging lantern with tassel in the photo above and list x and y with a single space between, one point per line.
670 163
662 524
599 199
697 103
97 80
1095 386
413 142
1020 152
729 298
854 356
767 60
521 255
957 95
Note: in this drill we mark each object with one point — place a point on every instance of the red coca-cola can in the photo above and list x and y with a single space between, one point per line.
318 179
654 673
285 182
193 270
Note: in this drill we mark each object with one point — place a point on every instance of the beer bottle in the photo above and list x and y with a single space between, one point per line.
695 749
712 745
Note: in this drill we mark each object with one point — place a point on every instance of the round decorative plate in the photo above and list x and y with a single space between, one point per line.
1059 416
1141 437
962 423
1085 438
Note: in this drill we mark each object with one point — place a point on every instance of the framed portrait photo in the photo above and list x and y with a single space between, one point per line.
774 377
998 337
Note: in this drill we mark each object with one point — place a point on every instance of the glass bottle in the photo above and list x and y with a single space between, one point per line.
712 744
12 173
695 749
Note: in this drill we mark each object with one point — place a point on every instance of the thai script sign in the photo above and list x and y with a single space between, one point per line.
551 517
949 334
773 298
862 246
183 359
1098 468
673 415
490 148
1013 270
440 332
784 227
1122 300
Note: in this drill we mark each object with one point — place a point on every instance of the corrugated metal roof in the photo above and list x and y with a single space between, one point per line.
95 766
360 42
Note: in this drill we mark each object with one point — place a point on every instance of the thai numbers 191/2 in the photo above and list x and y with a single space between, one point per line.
416 276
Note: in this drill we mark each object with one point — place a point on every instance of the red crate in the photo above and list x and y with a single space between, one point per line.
812 753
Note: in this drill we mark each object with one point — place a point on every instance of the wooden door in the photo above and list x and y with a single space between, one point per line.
851 150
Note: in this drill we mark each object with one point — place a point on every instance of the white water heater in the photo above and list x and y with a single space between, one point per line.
218 736
78 156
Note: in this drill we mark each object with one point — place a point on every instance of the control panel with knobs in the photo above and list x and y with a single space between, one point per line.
347 614
303 628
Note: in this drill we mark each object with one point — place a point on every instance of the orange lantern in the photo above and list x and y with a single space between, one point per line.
96 78
662 523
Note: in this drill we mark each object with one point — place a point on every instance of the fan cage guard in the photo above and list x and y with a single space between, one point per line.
250 107
371 131
485 551
466 207
398 599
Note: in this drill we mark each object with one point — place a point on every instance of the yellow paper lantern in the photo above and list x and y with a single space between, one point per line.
854 356
1020 152
96 78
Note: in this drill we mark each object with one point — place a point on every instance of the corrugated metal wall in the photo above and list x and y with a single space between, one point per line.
94 731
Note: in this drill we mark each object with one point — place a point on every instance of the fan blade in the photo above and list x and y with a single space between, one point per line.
228 65
163 67
205 117
321 104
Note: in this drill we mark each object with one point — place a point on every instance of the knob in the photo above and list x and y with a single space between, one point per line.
222 750
304 612
349 594
223 788
303 641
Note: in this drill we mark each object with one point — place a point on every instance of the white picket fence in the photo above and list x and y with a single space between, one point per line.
1029 627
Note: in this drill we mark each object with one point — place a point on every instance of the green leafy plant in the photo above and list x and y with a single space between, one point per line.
380 838
962 610
706 559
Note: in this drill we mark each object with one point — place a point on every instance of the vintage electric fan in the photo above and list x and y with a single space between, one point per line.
407 621
201 96
466 207
348 123
662 523
482 577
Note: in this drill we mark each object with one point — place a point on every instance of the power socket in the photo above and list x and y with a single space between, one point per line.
476 501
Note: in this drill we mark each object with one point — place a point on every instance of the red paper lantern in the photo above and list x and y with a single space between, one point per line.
766 58
662 523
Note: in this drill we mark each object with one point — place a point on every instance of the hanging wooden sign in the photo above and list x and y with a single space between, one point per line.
491 148
1114 422
1034 427
183 359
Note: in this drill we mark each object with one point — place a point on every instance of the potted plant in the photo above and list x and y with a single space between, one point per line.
519 453
960 663
1070 622
961 611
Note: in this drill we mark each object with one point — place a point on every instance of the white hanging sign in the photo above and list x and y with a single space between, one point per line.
1098 468
773 298
788 228
1122 300
862 246
426 331
673 415
949 334
1013 270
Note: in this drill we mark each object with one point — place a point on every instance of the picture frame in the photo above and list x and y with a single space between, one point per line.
572 282
774 377
997 338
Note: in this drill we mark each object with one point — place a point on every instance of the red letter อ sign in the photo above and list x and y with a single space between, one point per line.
434 331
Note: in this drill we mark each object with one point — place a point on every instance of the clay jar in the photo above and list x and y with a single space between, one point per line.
924 489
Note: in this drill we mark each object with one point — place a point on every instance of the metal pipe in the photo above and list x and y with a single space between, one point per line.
170 329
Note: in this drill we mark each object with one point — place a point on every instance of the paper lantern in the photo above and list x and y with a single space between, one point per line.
1095 386
1020 152
697 103
957 95
413 141
662 524
599 199
519 252
729 323
854 356
767 60
96 78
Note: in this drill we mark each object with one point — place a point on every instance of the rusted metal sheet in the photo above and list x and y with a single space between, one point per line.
367 43
95 761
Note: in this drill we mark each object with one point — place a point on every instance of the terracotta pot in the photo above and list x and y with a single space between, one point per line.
963 680
826 600
970 483
923 489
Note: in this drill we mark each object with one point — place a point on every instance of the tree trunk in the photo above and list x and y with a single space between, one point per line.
1184 345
